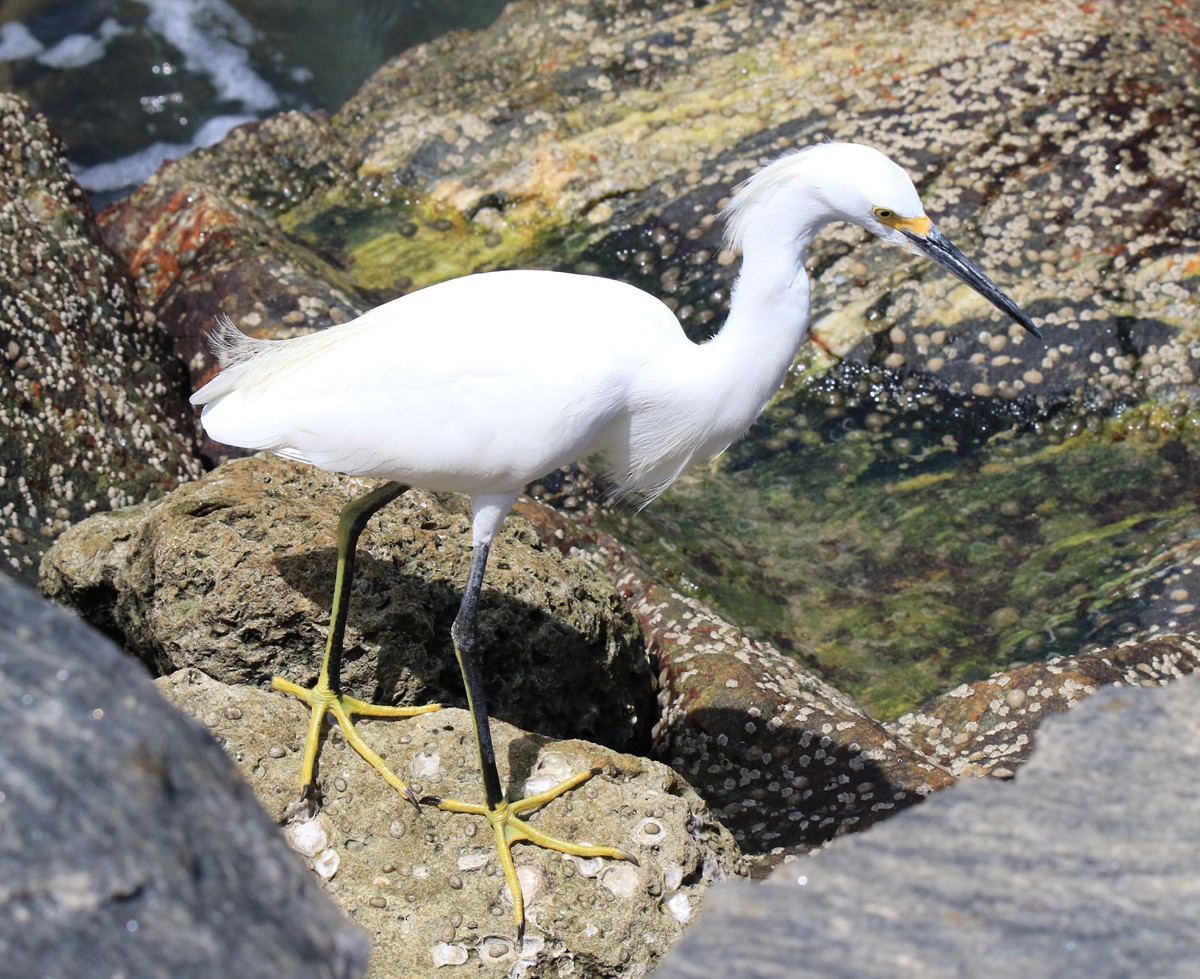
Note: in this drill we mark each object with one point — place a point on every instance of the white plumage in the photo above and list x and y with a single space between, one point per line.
484 383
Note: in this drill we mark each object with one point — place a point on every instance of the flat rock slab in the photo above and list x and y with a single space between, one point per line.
128 844
427 885
1085 865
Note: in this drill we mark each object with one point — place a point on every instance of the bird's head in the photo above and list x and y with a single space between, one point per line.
876 193
856 183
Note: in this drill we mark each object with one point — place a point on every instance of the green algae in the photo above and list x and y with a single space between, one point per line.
899 566
406 243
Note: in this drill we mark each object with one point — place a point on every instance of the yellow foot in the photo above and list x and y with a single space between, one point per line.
510 829
324 701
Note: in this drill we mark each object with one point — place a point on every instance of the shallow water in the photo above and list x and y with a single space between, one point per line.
898 558
129 83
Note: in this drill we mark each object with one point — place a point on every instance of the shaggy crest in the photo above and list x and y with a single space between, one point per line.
757 188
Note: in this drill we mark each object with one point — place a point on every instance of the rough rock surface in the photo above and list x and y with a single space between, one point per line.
1085 865
128 845
234 573
93 402
988 727
787 762
426 885
601 132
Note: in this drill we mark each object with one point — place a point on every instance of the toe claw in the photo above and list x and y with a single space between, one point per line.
309 798
430 800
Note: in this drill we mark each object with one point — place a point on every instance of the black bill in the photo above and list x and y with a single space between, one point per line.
937 246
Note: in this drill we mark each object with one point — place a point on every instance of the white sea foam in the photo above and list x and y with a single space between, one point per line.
213 39
79 50
129 171
73 51
17 43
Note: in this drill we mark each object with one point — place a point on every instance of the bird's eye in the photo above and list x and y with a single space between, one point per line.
883 213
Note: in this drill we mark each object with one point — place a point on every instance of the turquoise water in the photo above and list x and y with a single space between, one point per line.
129 83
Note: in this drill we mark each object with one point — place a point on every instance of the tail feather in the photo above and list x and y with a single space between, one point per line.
230 344
233 349
227 416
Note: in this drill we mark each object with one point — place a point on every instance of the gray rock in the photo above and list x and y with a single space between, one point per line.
1085 865
426 884
128 845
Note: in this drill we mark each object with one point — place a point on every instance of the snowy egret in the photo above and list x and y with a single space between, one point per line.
482 384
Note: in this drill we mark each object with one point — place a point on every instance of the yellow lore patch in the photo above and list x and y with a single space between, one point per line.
919 225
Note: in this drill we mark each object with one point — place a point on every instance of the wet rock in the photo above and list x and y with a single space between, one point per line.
989 727
902 570
128 844
786 761
1085 864
233 574
93 403
427 886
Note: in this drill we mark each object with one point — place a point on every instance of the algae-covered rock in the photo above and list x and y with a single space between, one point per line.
901 567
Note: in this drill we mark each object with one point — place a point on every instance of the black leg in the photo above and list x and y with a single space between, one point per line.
504 817
466 648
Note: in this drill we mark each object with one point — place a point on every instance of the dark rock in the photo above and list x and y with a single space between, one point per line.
426 884
93 402
128 845
233 574
1084 865
989 727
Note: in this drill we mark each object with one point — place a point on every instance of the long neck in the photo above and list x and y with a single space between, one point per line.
768 321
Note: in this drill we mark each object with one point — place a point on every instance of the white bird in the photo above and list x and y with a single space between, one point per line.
485 383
